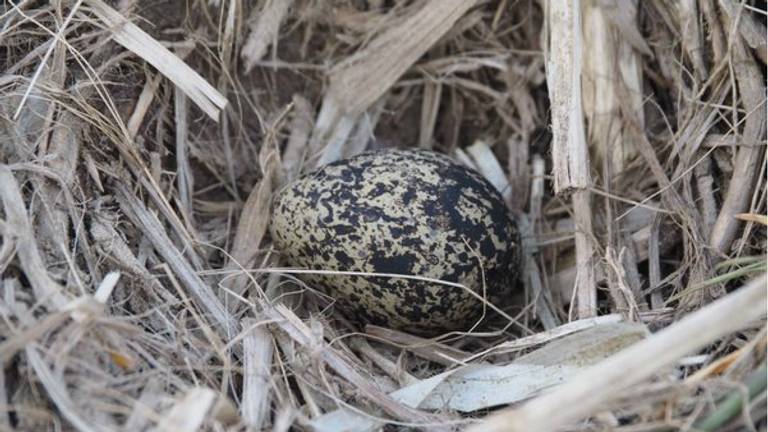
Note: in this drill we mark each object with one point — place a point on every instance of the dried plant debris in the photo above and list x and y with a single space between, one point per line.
143 143
477 386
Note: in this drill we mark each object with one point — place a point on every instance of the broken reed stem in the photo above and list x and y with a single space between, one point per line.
586 290
570 156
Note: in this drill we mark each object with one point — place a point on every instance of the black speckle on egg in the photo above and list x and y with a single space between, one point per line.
405 212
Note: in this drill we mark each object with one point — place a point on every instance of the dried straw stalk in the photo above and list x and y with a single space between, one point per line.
570 155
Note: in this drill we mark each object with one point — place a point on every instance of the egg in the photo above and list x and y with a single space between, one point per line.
362 221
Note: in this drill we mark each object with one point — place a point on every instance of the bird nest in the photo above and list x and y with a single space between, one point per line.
141 144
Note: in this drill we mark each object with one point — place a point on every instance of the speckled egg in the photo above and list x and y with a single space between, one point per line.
401 212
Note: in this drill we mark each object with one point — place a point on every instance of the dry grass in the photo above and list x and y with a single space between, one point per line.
141 144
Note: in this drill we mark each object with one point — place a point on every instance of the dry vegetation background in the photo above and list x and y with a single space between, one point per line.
141 142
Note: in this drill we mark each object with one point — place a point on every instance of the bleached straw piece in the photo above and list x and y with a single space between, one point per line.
464 159
136 40
612 78
589 391
264 29
430 107
145 407
106 287
569 147
257 357
229 29
142 105
188 414
364 130
490 168
538 166
331 132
